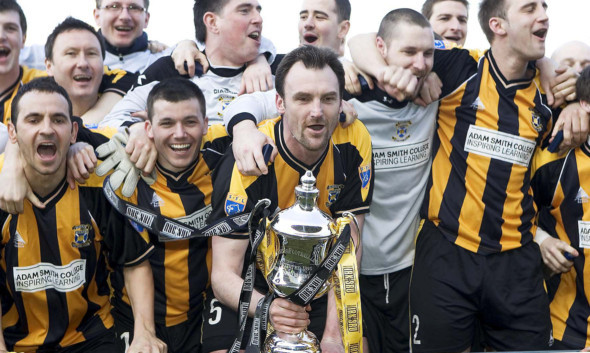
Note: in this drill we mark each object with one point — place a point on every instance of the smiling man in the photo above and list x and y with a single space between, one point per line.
188 150
122 24
75 54
448 18
14 29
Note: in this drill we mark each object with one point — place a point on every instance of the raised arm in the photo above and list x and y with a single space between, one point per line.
133 102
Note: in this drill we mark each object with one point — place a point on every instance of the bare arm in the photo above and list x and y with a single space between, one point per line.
365 54
139 283
103 106
15 187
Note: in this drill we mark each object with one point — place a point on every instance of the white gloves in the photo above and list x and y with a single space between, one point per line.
115 157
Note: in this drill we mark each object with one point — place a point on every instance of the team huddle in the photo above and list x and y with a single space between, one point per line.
129 171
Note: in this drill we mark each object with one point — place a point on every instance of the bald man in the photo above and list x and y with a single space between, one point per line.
574 54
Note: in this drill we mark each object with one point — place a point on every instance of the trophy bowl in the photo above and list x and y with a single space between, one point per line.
297 241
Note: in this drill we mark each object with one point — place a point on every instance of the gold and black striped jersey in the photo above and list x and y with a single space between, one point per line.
54 267
344 175
181 268
488 129
561 187
117 81
8 95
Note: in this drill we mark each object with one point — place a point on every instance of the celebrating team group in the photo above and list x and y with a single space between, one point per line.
130 170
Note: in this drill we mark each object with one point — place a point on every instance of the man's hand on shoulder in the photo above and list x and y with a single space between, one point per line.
352 84
186 52
247 148
257 77
81 162
574 121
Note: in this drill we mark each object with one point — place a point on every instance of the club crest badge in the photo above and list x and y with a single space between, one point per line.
224 101
333 193
81 235
234 204
365 175
402 132
536 120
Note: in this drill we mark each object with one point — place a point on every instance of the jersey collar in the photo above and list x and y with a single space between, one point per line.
510 84
139 44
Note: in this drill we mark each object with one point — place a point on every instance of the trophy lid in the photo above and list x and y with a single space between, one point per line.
304 218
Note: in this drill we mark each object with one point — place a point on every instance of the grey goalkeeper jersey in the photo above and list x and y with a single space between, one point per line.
402 142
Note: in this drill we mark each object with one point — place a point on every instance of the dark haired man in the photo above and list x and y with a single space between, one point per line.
188 150
231 30
475 259
448 18
55 260
74 54
310 84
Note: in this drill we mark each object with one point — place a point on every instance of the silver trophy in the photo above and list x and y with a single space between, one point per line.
299 238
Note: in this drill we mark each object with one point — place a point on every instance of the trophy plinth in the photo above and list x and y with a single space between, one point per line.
302 237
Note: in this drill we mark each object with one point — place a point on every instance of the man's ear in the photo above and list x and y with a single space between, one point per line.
498 26
585 105
210 21
149 129
147 20
96 14
49 67
381 46
343 29
280 104
205 125
74 132
12 132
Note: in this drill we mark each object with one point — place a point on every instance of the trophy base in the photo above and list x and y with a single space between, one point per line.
303 342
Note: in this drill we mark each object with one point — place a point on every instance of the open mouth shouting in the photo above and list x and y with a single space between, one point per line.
541 34
255 35
4 52
47 151
310 38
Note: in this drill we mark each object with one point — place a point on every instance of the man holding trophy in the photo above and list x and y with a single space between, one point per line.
309 84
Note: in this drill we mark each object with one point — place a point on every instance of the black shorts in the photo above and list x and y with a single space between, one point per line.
184 337
451 288
220 323
384 300
104 343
